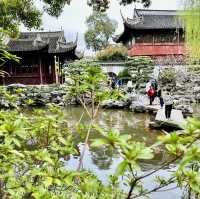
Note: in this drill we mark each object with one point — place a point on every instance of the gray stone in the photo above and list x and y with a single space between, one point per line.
138 107
154 125
197 89
57 93
112 104
15 86
187 110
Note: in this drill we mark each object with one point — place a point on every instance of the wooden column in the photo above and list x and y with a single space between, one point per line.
56 70
178 37
40 68
153 42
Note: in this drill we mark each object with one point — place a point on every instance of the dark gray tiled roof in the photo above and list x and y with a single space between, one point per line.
154 19
155 12
31 35
54 42
24 45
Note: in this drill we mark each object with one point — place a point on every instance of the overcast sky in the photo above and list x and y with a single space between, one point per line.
72 19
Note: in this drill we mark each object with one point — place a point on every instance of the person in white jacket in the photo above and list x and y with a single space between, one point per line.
168 100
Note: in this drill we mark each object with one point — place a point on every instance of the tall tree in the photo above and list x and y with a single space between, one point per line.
191 18
102 5
100 30
14 12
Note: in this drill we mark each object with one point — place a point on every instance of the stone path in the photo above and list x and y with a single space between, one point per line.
176 117
143 99
176 121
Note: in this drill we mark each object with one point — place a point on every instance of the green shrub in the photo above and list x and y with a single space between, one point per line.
167 76
194 68
112 53
124 73
142 61
140 68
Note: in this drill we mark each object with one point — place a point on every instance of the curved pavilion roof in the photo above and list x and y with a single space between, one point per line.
145 19
154 19
53 42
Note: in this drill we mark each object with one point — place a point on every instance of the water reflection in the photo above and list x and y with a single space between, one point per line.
102 157
126 122
103 161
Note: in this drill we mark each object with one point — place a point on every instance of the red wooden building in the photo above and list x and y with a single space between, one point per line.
42 55
155 33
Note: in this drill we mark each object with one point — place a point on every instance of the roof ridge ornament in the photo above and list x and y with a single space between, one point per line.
76 40
38 41
123 18
135 20
38 38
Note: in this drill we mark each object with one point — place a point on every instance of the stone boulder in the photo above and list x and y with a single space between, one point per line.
137 107
113 104
15 86
57 93
196 90
187 110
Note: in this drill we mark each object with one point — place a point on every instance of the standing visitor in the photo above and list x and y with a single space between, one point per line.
109 82
129 86
168 100
113 83
150 92
148 85
154 84
159 95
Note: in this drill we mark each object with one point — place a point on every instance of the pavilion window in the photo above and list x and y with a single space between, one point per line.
163 38
148 38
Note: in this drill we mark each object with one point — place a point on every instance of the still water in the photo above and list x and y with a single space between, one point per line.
104 160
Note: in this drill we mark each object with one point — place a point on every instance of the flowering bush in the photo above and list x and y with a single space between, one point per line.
113 53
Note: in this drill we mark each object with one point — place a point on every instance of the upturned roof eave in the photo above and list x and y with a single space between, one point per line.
135 27
128 27
64 50
51 42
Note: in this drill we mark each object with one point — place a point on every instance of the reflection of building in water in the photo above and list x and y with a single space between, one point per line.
102 157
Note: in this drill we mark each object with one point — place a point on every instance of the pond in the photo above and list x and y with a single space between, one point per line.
104 160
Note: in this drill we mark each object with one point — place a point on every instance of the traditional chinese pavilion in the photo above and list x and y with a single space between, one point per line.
42 55
155 33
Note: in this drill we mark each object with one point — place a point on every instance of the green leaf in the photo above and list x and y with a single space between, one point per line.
17 153
99 142
121 168
146 154
48 181
125 137
57 181
98 129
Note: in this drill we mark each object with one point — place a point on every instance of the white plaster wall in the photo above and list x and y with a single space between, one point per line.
114 69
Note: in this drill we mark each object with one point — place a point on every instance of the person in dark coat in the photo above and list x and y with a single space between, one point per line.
159 95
